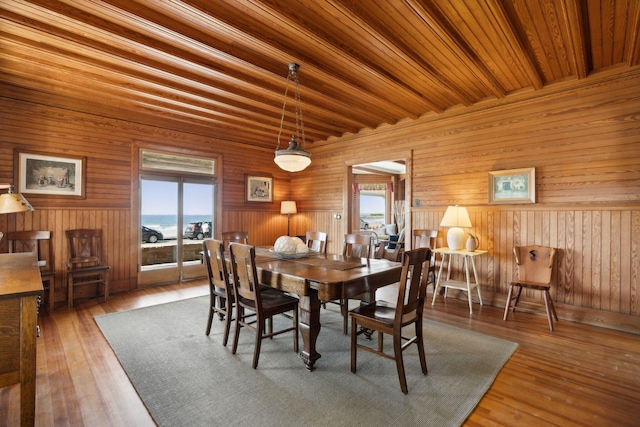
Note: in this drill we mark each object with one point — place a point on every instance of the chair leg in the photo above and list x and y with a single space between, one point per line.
295 332
260 324
354 348
236 336
547 303
212 303
223 304
70 292
553 308
517 298
508 305
397 350
420 344
344 308
227 322
52 293
106 287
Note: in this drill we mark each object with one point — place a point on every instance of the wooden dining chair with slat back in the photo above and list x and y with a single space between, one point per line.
534 265
357 245
85 265
40 243
221 299
389 319
427 239
249 295
229 237
317 241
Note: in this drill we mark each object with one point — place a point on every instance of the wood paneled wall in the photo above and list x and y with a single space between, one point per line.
31 124
582 137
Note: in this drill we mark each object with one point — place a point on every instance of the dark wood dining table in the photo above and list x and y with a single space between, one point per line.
322 277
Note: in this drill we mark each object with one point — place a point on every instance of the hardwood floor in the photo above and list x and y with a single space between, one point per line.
576 376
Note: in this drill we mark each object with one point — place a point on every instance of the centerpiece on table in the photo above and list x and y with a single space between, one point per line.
287 247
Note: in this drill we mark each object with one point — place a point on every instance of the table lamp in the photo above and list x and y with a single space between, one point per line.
288 207
456 217
11 202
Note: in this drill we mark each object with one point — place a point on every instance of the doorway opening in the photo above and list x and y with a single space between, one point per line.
378 189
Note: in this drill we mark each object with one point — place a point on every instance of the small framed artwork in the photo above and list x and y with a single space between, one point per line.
512 186
48 175
258 188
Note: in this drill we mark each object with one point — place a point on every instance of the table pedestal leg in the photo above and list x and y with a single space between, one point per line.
309 327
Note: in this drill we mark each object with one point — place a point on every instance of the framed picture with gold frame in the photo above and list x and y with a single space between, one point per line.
513 186
258 188
50 175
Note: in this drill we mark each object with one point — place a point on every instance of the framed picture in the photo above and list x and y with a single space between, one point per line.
43 174
258 188
512 186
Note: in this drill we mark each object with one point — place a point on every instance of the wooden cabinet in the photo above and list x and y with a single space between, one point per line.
20 286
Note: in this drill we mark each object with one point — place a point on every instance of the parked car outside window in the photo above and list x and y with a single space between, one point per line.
364 225
194 230
149 235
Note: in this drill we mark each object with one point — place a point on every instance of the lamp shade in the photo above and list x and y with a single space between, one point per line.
288 207
14 202
293 159
455 217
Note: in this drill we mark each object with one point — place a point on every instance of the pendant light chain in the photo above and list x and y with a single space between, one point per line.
299 121
284 108
294 158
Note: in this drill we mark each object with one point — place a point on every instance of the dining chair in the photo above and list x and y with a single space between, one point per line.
389 319
85 264
534 265
220 287
317 241
358 245
40 243
264 305
234 237
428 239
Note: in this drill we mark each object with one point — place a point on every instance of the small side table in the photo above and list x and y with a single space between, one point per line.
458 284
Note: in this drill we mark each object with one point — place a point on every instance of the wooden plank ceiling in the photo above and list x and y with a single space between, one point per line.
219 67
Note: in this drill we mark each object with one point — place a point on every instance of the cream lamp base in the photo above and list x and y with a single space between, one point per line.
455 238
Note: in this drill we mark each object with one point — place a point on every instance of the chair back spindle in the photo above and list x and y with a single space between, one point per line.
317 241
357 245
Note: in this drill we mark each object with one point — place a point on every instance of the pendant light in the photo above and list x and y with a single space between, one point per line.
294 158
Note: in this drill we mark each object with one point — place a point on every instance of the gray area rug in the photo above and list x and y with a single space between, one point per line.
188 379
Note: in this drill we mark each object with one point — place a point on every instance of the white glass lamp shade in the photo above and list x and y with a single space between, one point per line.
293 159
455 217
288 207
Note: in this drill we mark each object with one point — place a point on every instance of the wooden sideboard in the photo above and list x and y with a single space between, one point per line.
20 286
